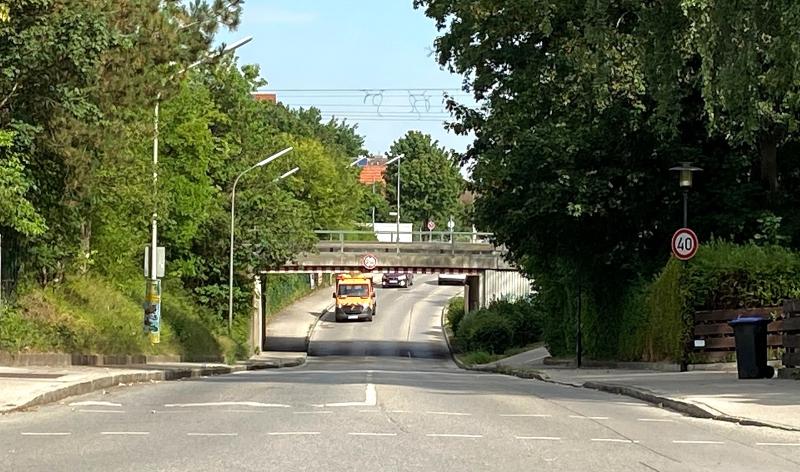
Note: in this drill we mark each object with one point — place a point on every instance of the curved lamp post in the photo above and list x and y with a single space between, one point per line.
233 213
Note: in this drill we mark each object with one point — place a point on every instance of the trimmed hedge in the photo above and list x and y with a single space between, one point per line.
501 326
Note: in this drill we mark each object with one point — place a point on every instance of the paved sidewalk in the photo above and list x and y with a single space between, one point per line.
716 394
26 387
711 394
288 330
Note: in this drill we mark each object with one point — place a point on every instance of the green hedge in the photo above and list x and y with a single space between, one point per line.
651 319
455 312
501 326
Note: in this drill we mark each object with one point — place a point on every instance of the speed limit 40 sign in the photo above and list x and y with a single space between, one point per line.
684 244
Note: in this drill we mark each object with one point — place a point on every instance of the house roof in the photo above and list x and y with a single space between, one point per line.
372 173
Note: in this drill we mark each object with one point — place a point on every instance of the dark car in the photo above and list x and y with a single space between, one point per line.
397 279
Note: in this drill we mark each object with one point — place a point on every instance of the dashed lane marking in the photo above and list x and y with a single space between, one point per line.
525 415
371 399
94 403
253 404
125 433
45 434
614 440
696 442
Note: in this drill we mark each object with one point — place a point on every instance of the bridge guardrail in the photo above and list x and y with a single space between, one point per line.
436 240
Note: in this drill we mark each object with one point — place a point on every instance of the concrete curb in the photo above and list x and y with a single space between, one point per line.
679 406
161 374
313 327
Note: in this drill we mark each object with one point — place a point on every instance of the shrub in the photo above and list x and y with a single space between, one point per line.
455 312
502 325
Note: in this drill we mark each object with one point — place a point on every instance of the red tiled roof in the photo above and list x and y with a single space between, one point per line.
265 97
372 173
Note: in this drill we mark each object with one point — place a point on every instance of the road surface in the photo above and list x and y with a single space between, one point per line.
380 396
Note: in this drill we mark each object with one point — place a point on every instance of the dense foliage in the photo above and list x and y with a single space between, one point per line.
501 326
430 184
583 106
79 82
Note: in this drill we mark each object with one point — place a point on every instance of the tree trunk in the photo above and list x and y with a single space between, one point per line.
768 149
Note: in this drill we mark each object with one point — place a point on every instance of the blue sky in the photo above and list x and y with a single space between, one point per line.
357 48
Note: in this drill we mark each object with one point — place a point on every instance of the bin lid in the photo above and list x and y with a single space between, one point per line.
748 320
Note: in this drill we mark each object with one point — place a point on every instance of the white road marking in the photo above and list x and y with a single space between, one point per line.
614 440
525 415
294 433
655 420
45 434
253 404
589 417
697 442
438 435
125 433
371 399
100 411
779 444
538 438
320 412
447 413
92 403
212 434
372 434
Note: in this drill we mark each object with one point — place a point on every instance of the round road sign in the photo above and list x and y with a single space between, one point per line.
369 261
431 225
684 244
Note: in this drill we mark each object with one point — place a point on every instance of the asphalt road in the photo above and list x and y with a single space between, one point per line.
380 396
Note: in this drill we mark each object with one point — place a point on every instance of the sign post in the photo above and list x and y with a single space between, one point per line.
684 244
431 227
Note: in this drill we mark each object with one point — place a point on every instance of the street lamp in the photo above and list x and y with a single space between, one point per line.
233 213
358 159
391 161
685 171
153 290
286 174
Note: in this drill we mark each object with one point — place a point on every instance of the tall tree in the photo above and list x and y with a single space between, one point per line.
430 183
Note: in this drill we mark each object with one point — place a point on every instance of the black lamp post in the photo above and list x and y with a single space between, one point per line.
685 171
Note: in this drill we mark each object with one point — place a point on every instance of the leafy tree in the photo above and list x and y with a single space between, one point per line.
430 183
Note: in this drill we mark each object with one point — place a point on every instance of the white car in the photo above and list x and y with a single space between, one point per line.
452 279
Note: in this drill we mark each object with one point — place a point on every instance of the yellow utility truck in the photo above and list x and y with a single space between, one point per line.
355 297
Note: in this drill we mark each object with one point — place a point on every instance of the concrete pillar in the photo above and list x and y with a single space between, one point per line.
473 292
256 324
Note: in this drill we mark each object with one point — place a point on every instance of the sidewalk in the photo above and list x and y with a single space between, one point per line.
288 330
716 394
25 387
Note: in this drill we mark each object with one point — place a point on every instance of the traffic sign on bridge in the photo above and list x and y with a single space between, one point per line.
369 261
684 244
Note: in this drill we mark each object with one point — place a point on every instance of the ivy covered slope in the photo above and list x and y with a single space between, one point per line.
78 86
